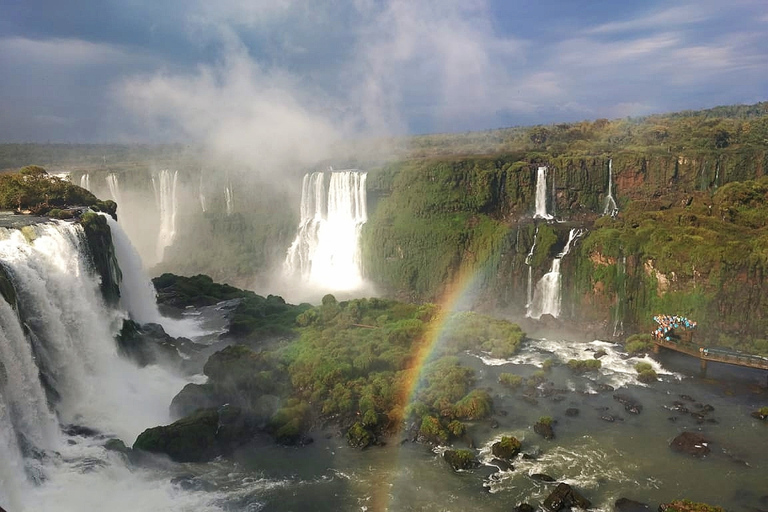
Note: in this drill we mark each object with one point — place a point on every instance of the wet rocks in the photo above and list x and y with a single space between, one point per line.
506 448
565 496
460 459
630 404
543 427
692 443
523 507
571 412
541 477
627 505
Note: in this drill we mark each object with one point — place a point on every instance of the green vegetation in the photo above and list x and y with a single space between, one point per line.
645 372
506 448
689 506
638 344
460 459
511 380
584 365
32 188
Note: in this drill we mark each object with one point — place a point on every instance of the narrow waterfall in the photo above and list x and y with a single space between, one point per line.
611 208
165 196
326 251
137 294
85 181
618 321
541 195
229 199
528 259
59 365
114 187
547 297
201 195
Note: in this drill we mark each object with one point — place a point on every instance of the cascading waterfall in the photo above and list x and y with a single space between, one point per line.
547 297
229 200
618 322
164 185
137 294
85 181
59 361
528 261
114 187
541 195
326 251
611 208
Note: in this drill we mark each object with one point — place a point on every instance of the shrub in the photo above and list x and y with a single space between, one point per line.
584 365
510 380
638 344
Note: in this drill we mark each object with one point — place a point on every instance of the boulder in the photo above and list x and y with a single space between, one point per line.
564 496
524 507
571 412
543 427
506 448
541 477
627 505
460 459
502 465
691 443
199 437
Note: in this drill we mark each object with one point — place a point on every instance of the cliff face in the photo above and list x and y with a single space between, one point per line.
688 238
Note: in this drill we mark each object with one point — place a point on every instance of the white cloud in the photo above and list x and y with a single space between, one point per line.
673 17
59 52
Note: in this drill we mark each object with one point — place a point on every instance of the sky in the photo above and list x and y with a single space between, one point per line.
231 73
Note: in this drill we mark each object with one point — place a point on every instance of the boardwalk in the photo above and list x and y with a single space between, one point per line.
712 354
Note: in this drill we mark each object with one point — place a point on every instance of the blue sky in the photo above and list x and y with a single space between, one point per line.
236 72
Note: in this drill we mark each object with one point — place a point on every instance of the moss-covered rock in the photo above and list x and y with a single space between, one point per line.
688 506
198 437
98 235
6 287
460 460
506 448
359 437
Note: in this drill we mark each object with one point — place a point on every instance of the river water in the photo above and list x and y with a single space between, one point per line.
628 457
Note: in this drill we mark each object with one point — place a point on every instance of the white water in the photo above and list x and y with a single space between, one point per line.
164 185
541 195
547 297
201 195
137 294
71 331
611 208
326 251
85 181
229 200
114 188
528 259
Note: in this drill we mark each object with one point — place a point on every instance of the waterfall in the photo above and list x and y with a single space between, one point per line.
114 187
541 195
165 196
59 361
137 294
618 322
326 251
85 181
229 200
528 259
547 295
610 203
201 195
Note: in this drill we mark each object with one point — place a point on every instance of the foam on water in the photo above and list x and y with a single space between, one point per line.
617 368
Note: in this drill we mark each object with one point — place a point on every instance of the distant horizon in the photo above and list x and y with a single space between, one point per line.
395 136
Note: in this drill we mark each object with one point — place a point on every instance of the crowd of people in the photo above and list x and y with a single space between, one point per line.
668 323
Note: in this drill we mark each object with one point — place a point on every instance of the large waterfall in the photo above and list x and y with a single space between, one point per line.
164 185
59 366
541 195
326 251
611 208
547 295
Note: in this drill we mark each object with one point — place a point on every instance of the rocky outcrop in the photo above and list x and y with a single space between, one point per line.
199 437
691 443
565 496
460 459
149 344
543 427
627 505
506 448
102 255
